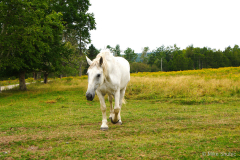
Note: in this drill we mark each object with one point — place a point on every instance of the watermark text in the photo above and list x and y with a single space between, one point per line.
220 154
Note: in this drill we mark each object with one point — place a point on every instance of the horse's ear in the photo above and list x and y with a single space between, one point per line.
89 61
101 61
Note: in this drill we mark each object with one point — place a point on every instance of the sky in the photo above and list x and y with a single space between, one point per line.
153 23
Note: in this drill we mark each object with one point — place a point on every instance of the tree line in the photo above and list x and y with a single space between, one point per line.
172 58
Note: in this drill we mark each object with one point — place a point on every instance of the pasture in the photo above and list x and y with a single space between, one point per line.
174 115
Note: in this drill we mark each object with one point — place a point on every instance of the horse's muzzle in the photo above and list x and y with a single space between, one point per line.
90 96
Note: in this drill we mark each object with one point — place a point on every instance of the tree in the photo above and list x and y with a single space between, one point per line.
228 53
130 55
110 48
144 55
117 51
180 61
92 52
28 34
236 55
189 51
160 57
198 57
151 58
77 19
58 60
70 65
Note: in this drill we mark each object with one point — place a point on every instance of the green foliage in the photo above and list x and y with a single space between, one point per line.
76 17
174 59
92 52
130 55
78 23
28 34
180 62
154 68
139 67
43 36
144 54
116 51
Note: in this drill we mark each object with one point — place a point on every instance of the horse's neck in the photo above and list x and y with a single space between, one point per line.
106 74
109 69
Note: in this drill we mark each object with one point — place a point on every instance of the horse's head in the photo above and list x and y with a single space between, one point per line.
95 77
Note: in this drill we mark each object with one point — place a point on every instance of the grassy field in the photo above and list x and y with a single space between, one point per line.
175 116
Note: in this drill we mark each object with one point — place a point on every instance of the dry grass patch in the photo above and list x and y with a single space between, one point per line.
180 87
51 101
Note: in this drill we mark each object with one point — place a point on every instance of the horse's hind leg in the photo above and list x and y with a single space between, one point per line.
122 93
110 99
115 117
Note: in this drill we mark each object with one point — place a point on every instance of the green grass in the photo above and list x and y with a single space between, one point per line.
55 121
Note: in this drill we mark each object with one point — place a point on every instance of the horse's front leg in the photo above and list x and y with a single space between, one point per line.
104 125
117 108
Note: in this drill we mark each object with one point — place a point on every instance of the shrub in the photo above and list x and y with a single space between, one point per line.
139 67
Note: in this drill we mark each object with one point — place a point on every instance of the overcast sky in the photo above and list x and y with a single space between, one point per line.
153 23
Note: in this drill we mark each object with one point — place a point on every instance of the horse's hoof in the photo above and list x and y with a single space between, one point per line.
104 128
119 123
114 122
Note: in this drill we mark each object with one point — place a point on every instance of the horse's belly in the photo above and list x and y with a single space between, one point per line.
124 80
124 71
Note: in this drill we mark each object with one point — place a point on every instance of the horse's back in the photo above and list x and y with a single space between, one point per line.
123 63
124 68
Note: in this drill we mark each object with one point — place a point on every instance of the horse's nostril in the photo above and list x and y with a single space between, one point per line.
89 96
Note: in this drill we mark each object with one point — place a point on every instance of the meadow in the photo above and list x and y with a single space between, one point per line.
168 115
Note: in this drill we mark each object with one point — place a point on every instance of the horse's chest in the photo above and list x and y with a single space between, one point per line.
108 88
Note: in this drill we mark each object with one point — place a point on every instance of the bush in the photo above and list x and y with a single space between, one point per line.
154 68
139 67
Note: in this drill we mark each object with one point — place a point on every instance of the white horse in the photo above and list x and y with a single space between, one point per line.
108 75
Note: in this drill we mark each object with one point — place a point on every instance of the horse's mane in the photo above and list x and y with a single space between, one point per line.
106 56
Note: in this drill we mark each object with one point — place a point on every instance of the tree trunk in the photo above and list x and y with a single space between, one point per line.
45 77
80 54
22 84
39 75
60 76
80 69
34 75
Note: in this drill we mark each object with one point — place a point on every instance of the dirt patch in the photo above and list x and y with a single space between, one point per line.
7 139
51 134
32 148
51 101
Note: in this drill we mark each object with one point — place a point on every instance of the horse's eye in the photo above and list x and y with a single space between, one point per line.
98 75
